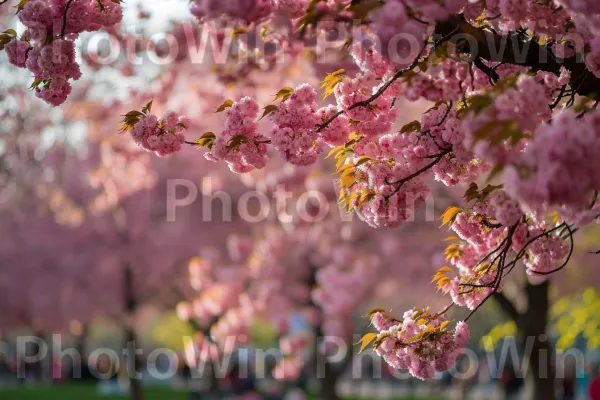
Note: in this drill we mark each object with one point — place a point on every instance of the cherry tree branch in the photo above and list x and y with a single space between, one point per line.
64 19
379 92
516 48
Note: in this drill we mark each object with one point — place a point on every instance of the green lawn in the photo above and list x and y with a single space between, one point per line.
81 392
87 392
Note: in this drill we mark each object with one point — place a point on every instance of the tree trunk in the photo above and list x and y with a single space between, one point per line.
43 367
82 340
328 384
532 327
135 389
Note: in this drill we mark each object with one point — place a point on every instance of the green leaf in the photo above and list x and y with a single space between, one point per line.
414 126
134 113
207 140
224 106
284 93
373 312
21 5
146 109
269 109
236 141
36 83
472 193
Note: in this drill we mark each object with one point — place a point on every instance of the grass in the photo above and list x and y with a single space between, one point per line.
82 392
88 392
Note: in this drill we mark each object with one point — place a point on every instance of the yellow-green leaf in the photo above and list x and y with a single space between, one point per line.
366 340
207 140
331 81
224 106
335 150
414 126
450 215
284 93
362 160
269 109
146 109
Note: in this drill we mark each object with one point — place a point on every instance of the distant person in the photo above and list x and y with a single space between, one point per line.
569 383
295 394
569 390
594 388
511 383
583 381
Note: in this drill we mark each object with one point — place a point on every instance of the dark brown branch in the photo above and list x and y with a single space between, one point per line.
64 19
518 50
438 158
378 93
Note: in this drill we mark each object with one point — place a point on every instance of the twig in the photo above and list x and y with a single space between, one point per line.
64 19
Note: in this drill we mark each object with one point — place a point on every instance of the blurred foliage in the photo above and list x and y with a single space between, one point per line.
494 337
577 316
573 318
264 335
168 331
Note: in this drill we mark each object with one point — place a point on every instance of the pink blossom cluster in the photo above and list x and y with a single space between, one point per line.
420 343
163 135
592 59
248 11
393 20
16 51
293 344
341 285
200 350
292 8
241 126
440 132
402 160
505 210
47 46
239 247
199 273
234 323
377 118
560 165
369 60
446 81
469 289
337 132
294 132
475 257
523 106
288 369
545 252
544 18
258 285
582 6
